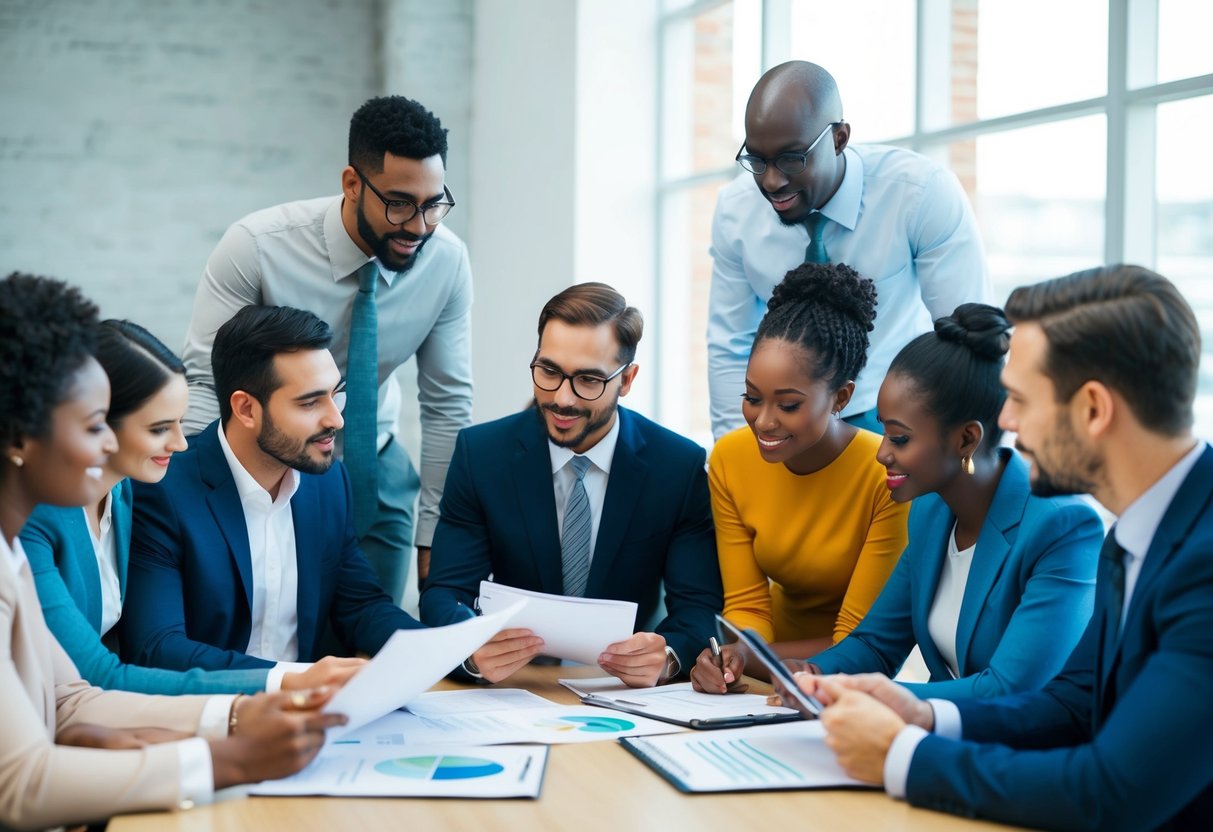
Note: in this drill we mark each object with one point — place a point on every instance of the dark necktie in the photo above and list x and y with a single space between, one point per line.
575 539
1115 556
815 252
362 400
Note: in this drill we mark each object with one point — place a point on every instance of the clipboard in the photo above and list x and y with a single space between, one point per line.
680 705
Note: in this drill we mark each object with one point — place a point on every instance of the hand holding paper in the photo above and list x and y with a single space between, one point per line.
578 629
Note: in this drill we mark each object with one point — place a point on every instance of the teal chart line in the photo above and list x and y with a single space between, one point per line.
742 761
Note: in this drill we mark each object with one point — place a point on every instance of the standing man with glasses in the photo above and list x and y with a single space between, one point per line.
808 196
578 496
377 265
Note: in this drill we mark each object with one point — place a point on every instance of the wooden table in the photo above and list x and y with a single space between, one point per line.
588 787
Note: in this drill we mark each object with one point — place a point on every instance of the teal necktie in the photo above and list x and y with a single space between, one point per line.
362 401
575 539
815 252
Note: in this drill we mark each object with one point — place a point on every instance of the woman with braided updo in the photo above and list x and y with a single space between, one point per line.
996 585
806 530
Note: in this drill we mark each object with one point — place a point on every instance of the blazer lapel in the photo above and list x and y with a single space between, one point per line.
628 473
535 497
993 545
225 506
935 531
305 511
121 524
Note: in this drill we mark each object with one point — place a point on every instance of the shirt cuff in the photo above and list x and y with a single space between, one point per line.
897 761
947 718
215 713
273 682
197 774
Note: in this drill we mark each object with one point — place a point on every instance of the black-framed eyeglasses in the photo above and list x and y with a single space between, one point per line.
587 386
400 211
789 163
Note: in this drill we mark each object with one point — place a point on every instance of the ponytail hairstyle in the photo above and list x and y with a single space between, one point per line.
956 369
137 363
828 310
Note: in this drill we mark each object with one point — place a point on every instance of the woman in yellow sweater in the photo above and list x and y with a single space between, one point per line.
806 530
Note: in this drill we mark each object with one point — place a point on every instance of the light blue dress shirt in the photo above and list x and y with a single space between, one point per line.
898 219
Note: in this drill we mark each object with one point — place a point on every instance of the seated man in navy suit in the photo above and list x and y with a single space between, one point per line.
245 551
1101 379
578 496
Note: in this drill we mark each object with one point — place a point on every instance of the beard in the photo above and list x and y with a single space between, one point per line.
593 421
1076 471
379 243
291 452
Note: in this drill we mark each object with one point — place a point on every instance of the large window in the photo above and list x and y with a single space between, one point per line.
1078 130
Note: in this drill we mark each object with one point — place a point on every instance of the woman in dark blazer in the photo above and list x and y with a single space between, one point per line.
995 584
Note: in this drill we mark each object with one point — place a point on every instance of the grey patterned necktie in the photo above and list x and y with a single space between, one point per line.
575 538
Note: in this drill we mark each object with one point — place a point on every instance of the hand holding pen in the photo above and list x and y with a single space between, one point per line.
719 669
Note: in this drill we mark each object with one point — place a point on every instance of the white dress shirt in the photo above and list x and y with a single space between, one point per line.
897 218
1134 532
949 595
596 477
299 254
105 548
271 539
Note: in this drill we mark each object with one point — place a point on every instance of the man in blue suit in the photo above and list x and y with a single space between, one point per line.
1101 379
578 496
244 552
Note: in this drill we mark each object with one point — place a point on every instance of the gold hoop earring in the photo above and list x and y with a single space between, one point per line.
966 465
16 460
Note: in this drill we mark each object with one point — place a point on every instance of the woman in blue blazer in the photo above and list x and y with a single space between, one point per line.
79 556
995 585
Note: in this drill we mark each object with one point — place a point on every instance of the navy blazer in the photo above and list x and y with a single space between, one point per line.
498 518
1120 739
1027 601
190 584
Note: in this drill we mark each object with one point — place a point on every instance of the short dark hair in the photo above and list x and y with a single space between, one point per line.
828 309
137 364
956 369
48 331
1124 326
243 355
396 125
594 304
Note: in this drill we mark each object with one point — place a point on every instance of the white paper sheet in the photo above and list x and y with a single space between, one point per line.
679 702
410 663
500 771
572 628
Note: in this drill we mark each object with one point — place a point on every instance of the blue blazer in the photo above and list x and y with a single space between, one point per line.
1027 601
498 518
190 592
1120 739
60 551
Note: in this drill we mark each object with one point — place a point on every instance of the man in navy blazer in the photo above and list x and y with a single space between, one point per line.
1101 379
245 551
510 506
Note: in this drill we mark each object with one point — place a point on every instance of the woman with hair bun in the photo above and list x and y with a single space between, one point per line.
79 556
806 531
996 585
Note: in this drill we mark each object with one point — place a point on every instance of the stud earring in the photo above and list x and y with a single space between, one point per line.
966 465
16 460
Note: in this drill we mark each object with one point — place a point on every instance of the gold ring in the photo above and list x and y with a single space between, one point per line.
298 700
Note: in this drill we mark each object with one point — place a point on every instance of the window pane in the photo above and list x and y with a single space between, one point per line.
1040 205
1001 57
710 62
868 46
1185 225
1183 39
686 275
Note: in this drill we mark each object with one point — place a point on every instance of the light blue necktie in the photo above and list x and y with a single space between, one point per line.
815 252
362 401
575 539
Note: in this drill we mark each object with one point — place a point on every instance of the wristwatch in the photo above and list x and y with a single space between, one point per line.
672 666
470 668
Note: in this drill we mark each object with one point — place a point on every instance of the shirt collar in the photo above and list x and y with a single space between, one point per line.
601 454
843 206
345 257
1139 522
12 554
249 488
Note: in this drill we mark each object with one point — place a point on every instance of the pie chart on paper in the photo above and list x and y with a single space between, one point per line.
439 767
588 724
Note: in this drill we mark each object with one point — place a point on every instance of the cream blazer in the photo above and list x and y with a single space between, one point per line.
45 785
